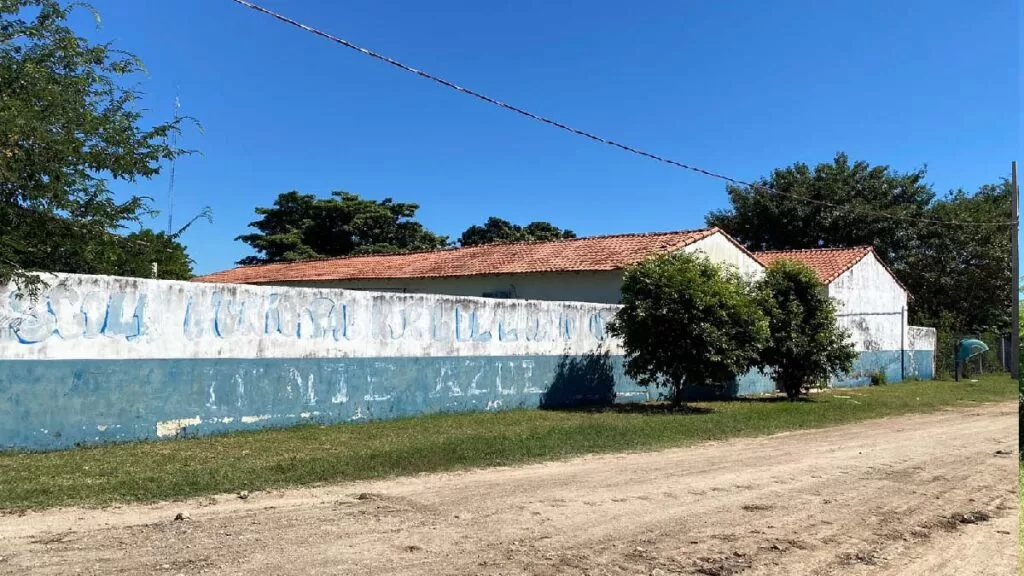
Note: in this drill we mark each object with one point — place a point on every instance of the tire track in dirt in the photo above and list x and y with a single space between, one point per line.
875 497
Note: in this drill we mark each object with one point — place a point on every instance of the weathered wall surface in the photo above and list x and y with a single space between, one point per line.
100 358
96 359
922 344
601 287
872 306
718 248
121 318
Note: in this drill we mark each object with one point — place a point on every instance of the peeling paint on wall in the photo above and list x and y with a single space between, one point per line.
101 359
174 427
105 317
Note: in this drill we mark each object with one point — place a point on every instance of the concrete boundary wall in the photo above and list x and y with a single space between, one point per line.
96 359
99 317
99 359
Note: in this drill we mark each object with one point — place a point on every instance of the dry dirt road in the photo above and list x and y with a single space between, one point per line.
870 498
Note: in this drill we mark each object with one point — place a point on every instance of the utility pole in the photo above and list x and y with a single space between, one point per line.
1015 255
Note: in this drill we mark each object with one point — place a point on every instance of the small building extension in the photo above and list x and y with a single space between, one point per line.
872 305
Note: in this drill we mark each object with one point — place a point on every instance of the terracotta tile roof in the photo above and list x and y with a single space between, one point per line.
571 255
829 263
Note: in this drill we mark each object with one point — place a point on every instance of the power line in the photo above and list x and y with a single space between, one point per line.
589 135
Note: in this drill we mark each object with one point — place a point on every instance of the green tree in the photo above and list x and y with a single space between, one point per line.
806 345
958 276
829 207
497 230
142 249
147 247
962 275
67 128
687 322
302 226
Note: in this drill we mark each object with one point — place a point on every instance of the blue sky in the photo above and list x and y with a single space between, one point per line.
738 87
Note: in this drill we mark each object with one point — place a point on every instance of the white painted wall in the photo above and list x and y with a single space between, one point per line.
871 305
719 248
104 317
565 286
921 338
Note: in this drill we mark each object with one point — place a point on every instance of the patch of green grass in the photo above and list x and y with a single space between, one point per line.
309 454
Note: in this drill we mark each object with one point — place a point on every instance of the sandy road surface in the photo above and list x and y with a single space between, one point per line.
869 498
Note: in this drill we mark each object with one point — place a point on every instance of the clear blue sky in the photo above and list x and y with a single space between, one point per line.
738 87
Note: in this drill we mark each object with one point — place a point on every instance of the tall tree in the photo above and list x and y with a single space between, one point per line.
67 127
829 206
302 226
959 276
497 230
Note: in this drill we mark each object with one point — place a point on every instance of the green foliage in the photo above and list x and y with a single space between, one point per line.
806 346
66 128
962 275
839 193
686 321
958 275
146 247
497 230
879 378
302 226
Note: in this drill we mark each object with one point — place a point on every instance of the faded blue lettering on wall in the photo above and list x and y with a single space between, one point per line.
67 315
52 404
172 356
229 313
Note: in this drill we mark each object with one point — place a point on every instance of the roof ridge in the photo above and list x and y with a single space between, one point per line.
708 229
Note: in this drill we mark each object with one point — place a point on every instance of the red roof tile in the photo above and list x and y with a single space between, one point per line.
828 263
571 255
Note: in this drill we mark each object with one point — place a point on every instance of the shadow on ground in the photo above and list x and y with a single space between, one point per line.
587 383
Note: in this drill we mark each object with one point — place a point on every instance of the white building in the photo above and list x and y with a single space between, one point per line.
872 302
872 306
578 269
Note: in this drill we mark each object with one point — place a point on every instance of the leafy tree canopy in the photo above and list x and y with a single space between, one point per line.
827 207
806 346
687 322
497 230
147 247
958 276
302 226
961 277
67 128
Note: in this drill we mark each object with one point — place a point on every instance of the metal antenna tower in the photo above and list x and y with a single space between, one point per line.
170 186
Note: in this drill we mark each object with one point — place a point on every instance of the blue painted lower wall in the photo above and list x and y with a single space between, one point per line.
896 365
54 404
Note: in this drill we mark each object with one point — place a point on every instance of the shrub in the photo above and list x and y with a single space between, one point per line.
806 344
686 321
878 378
